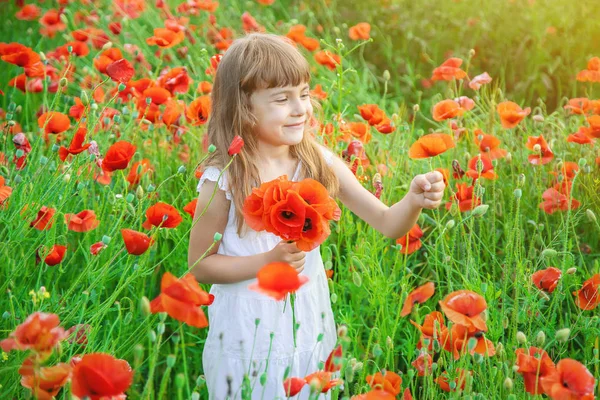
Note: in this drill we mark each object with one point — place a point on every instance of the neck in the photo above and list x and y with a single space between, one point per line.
273 154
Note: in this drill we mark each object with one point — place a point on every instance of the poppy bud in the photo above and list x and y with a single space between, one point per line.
517 193
562 335
480 210
521 338
500 349
416 108
139 192
386 75
236 145
333 298
377 350
181 169
107 45
389 342
171 360
450 224
145 305
195 396
179 380
342 330
472 53
538 118
582 162
540 338
357 367
571 270
152 336
508 384
508 157
349 374
356 279
217 236
547 253
212 148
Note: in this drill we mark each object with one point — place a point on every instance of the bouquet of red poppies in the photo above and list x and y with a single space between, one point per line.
294 211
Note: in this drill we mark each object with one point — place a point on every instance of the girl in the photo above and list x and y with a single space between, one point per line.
261 93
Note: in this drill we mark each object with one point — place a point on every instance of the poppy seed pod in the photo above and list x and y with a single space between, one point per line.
562 335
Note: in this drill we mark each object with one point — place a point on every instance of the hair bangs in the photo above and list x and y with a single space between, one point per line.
273 63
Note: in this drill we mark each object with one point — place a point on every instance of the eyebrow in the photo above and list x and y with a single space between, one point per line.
288 90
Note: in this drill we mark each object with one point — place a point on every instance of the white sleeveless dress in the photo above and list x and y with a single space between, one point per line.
251 333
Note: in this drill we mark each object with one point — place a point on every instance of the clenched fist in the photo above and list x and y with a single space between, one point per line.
427 190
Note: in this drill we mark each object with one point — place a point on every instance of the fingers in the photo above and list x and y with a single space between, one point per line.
434 176
422 182
433 196
431 204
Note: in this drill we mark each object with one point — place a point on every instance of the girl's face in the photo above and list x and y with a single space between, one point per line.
282 114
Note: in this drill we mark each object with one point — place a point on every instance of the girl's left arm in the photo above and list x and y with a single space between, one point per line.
426 191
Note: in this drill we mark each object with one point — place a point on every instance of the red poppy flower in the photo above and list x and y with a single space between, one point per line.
538 144
449 70
51 23
511 114
5 191
411 242
328 59
334 360
56 255
138 170
96 248
190 207
175 80
465 307
556 201
488 145
318 92
465 196
29 12
198 111
136 242
419 295
315 195
99 376
570 380
165 38
371 113
579 105
460 379
277 279
480 80
433 324
118 156
54 122
84 221
236 145
431 145
592 73
533 364
120 71
389 382
44 219
423 364
293 386
21 56
447 109
76 146
456 339
594 129
181 299
546 279
204 87
483 162
40 333
45 382
588 297
323 381
360 31
162 215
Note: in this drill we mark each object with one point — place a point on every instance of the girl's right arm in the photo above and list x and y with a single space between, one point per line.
219 268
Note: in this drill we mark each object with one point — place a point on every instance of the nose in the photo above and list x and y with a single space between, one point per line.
298 107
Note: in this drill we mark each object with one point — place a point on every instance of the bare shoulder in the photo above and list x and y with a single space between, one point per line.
211 216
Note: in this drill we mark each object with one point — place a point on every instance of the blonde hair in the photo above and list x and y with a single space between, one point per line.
257 61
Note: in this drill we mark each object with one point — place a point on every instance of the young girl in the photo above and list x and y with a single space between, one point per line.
261 92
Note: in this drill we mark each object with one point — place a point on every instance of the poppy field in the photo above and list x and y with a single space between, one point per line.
496 294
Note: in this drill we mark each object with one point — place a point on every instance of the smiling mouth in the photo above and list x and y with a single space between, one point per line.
295 125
